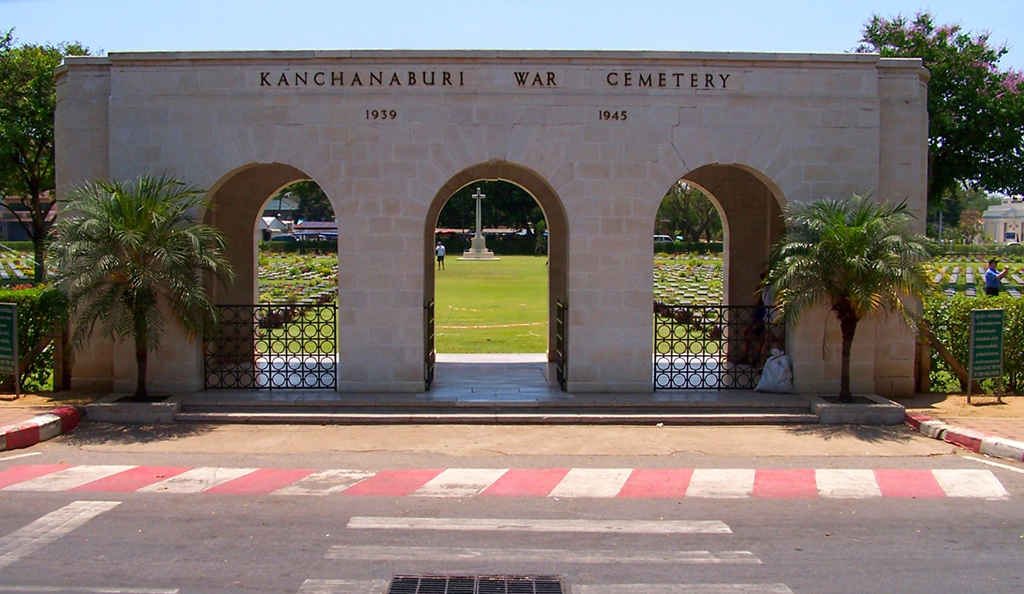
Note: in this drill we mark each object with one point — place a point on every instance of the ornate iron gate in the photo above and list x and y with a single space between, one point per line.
711 347
429 354
273 346
561 310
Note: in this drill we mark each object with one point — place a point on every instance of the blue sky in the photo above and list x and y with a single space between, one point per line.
735 25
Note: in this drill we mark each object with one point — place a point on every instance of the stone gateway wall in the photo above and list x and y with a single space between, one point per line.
596 137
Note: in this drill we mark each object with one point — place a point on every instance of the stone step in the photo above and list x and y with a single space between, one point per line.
464 417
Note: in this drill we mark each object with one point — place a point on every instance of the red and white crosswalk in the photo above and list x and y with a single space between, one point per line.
720 483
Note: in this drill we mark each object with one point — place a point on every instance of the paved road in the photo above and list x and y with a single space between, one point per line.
61 538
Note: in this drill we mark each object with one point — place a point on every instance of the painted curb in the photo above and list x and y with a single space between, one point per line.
997 447
40 428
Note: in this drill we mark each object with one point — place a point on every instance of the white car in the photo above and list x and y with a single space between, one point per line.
662 239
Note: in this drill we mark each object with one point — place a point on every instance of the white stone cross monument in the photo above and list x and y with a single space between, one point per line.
478 248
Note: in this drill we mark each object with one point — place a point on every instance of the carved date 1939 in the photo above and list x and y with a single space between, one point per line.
381 114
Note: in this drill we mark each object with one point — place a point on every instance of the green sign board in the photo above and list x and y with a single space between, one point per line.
986 346
8 338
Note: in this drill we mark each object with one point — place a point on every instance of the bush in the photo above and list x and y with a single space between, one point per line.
20 246
41 311
700 247
300 247
525 245
949 319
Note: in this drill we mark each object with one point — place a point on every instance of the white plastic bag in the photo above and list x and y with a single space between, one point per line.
777 375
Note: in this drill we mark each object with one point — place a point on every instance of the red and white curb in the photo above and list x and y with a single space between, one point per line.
569 483
40 428
997 447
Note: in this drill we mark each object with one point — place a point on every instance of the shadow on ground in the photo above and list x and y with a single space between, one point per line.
866 433
93 433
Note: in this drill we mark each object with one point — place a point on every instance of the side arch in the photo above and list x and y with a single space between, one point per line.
751 209
236 200
550 204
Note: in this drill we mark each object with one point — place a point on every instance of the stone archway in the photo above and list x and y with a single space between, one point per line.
236 201
751 219
554 213
289 344
700 344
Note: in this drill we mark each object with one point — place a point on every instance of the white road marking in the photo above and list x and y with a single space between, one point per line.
86 590
541 525
996 464
16 456
69 478
847 483
688 588
435 554
196 480
49 528
343 586
591 482
460 482
970 482
724 483
325 482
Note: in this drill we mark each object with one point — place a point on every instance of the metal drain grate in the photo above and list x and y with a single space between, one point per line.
475 584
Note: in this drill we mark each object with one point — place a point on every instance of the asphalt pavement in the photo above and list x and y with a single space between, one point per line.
98 518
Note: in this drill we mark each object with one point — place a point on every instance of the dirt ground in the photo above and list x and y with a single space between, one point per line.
50 399
955 405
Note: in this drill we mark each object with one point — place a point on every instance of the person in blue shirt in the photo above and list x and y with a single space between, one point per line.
993 278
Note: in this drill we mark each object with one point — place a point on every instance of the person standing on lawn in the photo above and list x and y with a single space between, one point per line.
439 250
993 278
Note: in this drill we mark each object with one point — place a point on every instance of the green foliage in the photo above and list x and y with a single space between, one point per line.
688 212
524 245
857 256
28 101
21 246
299 247
949 319
41 312
313 204
684 247
506 205
130 247
976 111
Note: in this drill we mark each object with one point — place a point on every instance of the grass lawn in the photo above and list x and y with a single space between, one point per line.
492 307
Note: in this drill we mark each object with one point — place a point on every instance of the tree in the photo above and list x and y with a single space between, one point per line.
130 247
27 103
857 255
506 205
313 204
687 211
976 111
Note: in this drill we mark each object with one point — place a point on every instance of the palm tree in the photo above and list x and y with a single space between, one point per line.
859 256
129 247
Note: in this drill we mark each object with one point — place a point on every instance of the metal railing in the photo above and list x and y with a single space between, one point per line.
273 346
711 347
561 342
429 352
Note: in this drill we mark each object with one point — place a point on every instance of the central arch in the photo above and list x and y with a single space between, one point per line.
554 213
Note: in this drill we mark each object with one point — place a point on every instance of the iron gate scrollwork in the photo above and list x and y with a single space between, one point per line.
273 346
712 347
429 353
561 311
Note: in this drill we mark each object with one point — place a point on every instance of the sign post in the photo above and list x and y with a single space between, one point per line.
9 343
985 355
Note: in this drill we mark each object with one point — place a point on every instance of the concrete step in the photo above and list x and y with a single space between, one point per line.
496 417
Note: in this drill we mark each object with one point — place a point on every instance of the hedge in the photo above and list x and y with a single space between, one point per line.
949 319
978 250
41 311
299 247
700 247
